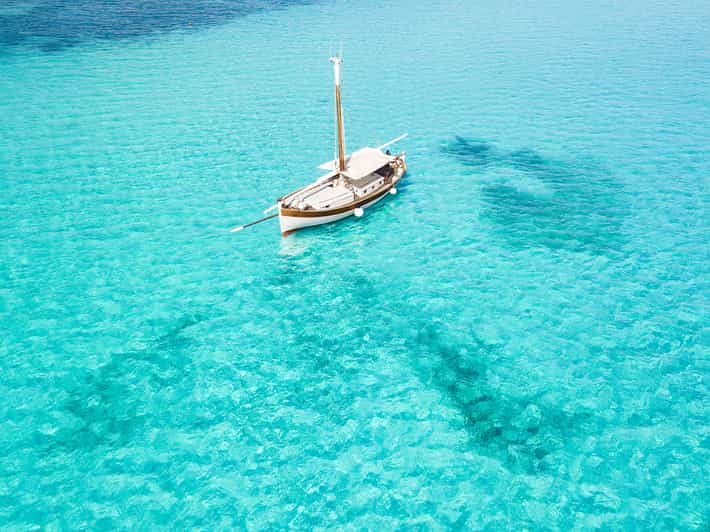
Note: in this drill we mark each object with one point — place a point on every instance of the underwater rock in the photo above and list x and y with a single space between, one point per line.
519 430
582 209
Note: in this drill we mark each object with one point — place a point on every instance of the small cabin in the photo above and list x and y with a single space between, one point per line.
367 169
366 185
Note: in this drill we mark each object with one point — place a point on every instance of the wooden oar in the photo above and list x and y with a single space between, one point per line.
253 223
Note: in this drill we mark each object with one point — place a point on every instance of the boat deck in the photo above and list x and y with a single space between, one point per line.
329 196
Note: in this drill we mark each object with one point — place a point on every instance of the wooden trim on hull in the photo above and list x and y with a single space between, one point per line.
297 213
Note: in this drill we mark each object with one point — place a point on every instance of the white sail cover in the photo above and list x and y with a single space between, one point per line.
361 163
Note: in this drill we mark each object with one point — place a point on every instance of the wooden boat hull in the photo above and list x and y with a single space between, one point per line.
292 220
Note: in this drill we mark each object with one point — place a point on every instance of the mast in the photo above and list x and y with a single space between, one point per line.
337 61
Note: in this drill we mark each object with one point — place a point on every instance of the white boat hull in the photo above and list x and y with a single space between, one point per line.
290 224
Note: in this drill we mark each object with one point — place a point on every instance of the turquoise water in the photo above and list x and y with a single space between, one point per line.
519 339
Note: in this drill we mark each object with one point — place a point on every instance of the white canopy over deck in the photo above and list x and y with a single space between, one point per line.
361 163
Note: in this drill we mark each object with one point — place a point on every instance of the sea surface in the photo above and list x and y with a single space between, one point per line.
519 339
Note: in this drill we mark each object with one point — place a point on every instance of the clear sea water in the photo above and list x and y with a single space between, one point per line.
518 340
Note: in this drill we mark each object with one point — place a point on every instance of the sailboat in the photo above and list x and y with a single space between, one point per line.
352 183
